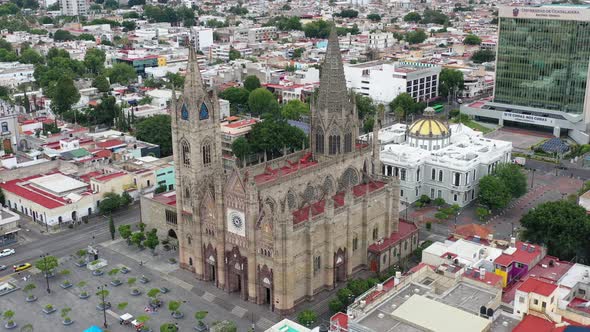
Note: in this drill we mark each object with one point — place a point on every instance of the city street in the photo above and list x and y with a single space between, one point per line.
66 241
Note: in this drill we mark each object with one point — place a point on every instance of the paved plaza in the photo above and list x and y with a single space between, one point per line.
194 295
521 139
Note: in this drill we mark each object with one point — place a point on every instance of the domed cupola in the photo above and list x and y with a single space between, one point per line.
429 133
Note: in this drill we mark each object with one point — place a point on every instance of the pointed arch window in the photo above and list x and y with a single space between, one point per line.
203 112
184 112
319 140
206 154
334 142
348 142
185 153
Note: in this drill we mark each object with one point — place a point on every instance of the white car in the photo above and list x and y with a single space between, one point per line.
6 252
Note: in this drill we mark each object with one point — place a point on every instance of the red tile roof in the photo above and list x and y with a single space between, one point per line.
166 198
405 229
489 278
520 255
242 123
273 174
28 192
339 322
536 324
109 144
108 177
534 285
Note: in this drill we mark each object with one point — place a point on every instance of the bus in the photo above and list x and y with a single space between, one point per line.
438 108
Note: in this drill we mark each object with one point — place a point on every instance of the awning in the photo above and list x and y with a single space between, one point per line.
12 231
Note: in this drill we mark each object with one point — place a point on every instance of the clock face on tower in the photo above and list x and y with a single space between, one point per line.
236 222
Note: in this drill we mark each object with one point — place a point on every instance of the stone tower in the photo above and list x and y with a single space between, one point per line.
199 173
334 120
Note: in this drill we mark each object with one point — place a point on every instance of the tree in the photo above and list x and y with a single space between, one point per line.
513 177
451 82
272 135
2 198
298 52
168 327
295 109
63 35
262 102
482 56
31 56
129 25
435 17
493 193
66 94
126 199
174 79
412 17
348 13
161 188
199 316
563 226
112 227
156 130
307 317
110 202
137 238
471 39
46 264
416 37
234 54
132 3
173 306
94 60
101 83
405 102
125 232
237 97
251 83
151 240
241 148
317 29
285 23
121 73
335 306
374 17
365 106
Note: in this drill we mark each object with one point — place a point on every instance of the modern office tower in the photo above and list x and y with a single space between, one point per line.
542 69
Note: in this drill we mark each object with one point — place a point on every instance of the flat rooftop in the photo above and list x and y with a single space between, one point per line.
468 297
58 183
435 316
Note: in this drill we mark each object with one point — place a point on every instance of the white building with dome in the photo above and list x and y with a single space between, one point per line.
440 161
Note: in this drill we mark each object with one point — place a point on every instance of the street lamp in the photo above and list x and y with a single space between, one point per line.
104 305
456 215
44 257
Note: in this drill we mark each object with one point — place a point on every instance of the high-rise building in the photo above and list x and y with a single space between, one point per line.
542 70
73 7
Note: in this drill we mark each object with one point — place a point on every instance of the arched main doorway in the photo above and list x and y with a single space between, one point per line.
236 273
340 266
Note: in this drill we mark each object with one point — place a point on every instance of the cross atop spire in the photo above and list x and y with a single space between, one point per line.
333 95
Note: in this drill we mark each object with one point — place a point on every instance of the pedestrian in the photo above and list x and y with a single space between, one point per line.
140 263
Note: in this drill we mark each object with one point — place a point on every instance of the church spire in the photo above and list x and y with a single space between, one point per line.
193 84
333 95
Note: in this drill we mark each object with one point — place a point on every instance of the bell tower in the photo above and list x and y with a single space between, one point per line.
196 144
334 119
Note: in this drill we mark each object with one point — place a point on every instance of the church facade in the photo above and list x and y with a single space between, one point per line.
282 231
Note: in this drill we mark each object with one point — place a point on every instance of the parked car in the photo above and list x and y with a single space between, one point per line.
3 267
21 267
7 252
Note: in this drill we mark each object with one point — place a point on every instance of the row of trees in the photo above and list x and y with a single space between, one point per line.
507 182
429 17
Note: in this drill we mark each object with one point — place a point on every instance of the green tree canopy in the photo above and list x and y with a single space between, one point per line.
262 102
482 56
110 202
365 106
406 103
156 130
151 240
374 17
65 95
295 109
412 17
125 231
63 35
285 23
416 37
513 177
101 83
31 56
94 60
237 97
471 39
434 17
493 193
307 317
563 226
451 80
317 29
46 264
129 25
348 13
251 83
121 73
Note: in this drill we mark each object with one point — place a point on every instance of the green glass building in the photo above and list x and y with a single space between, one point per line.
543 57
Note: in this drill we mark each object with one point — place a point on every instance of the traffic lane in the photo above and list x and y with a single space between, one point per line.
65 243
562 170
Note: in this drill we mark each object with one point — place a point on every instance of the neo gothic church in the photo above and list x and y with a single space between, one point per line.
282 231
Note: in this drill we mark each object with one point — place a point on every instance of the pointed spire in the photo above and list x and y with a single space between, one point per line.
333 95
193 84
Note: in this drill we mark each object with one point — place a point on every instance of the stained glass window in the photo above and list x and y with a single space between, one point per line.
184 112
204 112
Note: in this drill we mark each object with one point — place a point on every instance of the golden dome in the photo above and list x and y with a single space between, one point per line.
428 126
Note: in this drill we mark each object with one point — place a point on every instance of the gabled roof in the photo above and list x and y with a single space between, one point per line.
534 285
